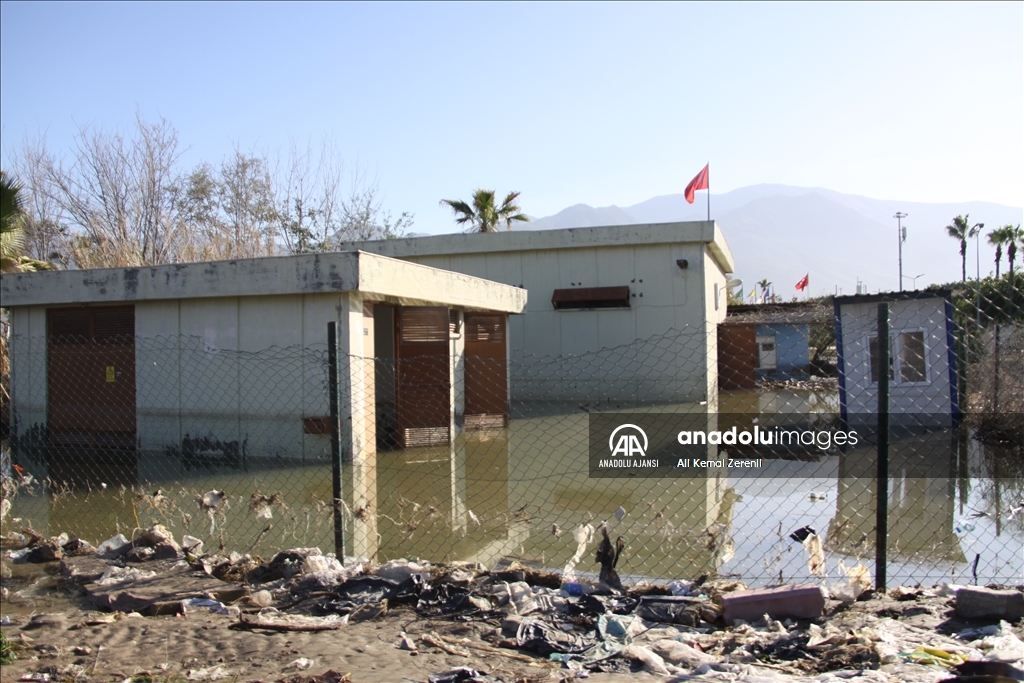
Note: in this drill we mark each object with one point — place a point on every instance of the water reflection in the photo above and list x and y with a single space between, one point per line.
519 492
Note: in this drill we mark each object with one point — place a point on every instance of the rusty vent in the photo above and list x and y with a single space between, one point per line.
114 325
103 325
475 423
591 297
485 327
424 324
414 437
69 325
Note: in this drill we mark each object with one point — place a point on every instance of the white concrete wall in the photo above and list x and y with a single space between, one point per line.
599 355
860 323
248 371
664 300
232 352
28 368
370 274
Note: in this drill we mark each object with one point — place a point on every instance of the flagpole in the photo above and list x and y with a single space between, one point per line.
709 190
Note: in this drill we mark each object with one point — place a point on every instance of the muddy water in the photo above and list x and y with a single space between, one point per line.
35 588
518 493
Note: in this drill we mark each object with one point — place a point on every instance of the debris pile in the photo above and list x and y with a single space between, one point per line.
718 628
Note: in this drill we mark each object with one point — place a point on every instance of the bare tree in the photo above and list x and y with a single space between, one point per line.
363 216
246 197
309 198
109 204
317 216
122 199
45 234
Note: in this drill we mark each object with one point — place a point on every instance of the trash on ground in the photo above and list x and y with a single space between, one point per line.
300 664
117 575
608 558
973 602
797 602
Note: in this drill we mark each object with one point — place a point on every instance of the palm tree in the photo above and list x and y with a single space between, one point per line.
485 215
999 237
764 285
12 232
1013 236
959 230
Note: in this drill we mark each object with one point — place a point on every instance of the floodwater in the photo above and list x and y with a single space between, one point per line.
520 493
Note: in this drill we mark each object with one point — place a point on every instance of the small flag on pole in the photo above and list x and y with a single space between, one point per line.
700 182
802 285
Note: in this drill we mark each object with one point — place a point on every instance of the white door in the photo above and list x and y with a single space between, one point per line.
766 351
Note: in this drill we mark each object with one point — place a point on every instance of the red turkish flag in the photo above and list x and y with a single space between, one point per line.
803 283
700 182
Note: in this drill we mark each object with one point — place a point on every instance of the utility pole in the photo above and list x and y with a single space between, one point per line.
902 234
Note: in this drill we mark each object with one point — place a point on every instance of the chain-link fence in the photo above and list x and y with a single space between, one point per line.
753 454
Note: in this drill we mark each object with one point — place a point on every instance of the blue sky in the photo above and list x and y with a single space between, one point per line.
594 103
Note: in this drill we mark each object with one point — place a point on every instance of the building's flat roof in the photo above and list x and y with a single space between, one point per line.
890 297
702 232
374 275
782 313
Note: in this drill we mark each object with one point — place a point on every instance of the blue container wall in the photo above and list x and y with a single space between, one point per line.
791 351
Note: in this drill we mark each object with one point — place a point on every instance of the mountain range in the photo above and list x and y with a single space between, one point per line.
781 232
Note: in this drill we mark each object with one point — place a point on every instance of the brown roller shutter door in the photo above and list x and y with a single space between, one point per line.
423 382
486 371
91 375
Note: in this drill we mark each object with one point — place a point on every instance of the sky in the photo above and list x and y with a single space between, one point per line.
567 103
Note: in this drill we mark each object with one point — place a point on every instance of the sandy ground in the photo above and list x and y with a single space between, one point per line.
54 632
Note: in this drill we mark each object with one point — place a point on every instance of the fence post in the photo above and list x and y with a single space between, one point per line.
882 475
332 383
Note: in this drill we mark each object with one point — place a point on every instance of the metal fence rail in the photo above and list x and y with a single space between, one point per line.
503 462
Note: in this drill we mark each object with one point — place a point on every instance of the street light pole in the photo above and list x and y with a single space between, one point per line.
902 235
914 280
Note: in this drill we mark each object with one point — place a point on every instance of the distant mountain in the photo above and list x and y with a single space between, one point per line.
580 216
780 232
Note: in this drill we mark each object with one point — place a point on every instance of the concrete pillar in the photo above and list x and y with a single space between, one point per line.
358 419
457 382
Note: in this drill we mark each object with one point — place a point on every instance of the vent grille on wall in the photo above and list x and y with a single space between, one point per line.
114 325
482 327
104 325
69 326
485 422
425 324
591 297
425 436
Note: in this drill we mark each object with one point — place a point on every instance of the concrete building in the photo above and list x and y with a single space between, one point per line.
134 376
616 314
181 358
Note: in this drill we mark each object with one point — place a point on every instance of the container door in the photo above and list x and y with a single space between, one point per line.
767 358
91 376
486 371
737 357
423 381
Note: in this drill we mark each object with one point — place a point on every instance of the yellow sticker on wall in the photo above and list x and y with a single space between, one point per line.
111 374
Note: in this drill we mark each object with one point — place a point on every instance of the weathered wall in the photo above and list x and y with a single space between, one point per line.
664 300
370 274
230 356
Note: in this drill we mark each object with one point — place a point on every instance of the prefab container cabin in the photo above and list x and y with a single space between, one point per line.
650 296
923 386
226 361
